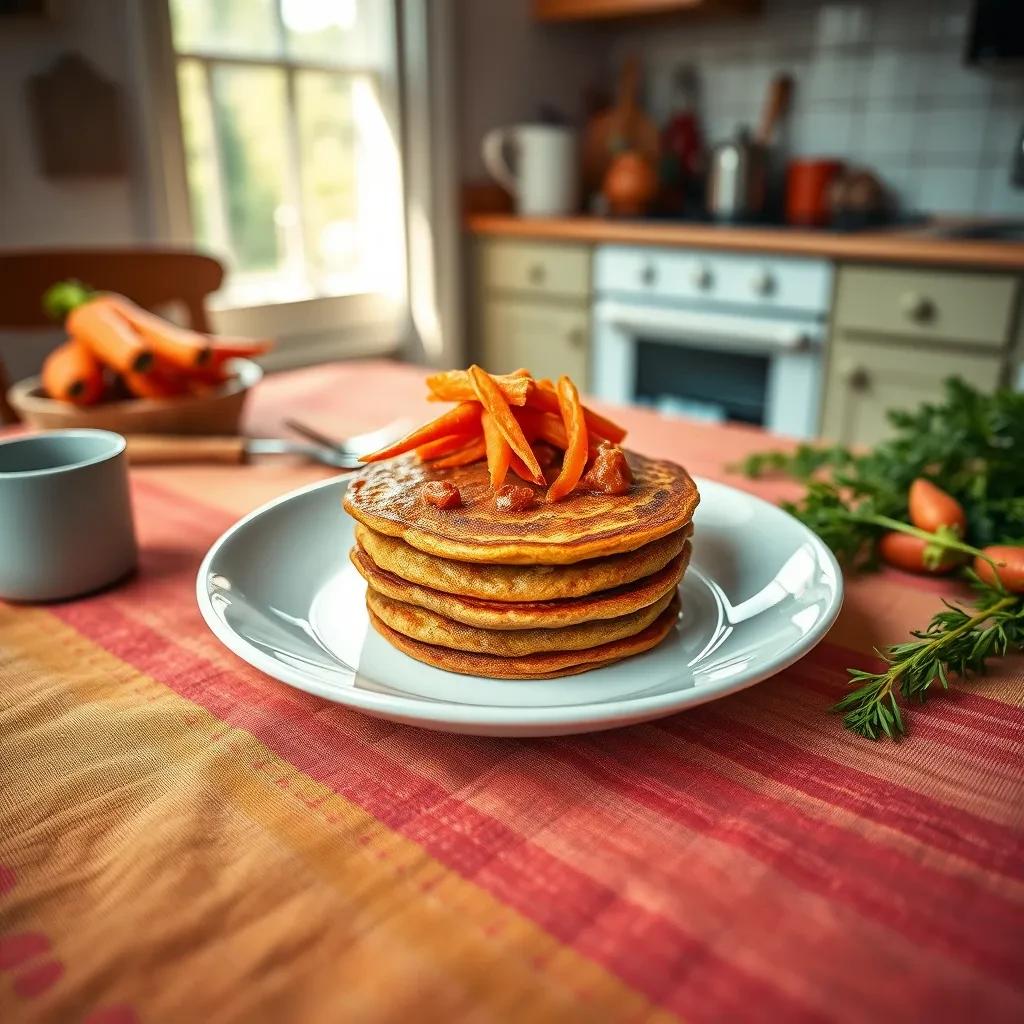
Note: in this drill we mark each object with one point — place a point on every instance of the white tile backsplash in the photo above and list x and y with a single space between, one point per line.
880 83
946 133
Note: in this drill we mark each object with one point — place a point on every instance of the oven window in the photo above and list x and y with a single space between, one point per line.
701 382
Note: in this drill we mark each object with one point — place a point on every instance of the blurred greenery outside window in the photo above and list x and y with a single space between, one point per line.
292 166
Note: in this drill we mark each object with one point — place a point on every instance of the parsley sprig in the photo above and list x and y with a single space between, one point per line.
972 445
958 641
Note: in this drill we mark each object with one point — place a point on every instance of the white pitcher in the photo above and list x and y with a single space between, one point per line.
542 172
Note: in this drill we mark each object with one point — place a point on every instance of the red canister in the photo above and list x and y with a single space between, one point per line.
807 183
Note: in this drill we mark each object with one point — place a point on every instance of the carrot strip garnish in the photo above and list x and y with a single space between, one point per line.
444 446
499 452
575 460
546 426
456 386
110 338
71 373
463 419
471 453
517 467
547 401
178 346
493 401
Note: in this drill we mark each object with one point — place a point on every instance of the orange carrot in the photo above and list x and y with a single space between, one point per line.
1009 561
110 338
547 401
499 452
575 460
456 386
463 419
517 467
494 402
546 426
222 348
155 384
473 452
443 446
178 346
906 552
71 373
931 507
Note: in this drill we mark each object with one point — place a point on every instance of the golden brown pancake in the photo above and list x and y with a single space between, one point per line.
431 628
386 497
525 583
546 665
607 604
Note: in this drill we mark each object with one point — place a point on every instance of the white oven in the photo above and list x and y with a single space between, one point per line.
722 336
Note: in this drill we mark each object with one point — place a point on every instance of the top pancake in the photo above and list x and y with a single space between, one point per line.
386 497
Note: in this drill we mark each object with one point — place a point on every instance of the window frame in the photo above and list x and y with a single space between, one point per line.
423 323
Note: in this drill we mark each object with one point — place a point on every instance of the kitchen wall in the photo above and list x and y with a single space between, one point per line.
510 67
38 211
879 83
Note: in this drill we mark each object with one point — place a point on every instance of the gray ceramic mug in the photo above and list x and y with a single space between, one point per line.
65 514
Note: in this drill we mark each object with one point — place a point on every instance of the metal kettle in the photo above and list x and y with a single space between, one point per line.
737 179
737 186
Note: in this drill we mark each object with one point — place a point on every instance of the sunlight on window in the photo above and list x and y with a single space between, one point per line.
293 168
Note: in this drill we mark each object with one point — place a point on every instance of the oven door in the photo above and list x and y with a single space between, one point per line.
722 366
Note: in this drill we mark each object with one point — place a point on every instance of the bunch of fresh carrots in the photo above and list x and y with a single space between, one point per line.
932 543
109 335
498 418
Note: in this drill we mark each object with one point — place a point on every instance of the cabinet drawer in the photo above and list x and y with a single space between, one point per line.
867 379
536 268
549 338
971 309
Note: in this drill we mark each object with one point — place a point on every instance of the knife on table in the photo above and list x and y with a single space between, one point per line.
163 449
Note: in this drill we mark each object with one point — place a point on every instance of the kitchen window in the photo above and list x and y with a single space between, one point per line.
292 168
289 158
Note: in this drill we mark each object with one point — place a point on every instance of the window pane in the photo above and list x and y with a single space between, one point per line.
200 156
249 117
346 32
241 27
328 145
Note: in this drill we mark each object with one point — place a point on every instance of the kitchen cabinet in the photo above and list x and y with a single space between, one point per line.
589 10
548 340
533 307
897 334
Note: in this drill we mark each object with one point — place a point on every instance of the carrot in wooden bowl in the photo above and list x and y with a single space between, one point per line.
71 373
178 346
112 340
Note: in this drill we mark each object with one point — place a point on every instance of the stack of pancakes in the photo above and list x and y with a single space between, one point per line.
551 590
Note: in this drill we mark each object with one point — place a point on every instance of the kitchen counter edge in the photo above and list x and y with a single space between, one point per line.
895 245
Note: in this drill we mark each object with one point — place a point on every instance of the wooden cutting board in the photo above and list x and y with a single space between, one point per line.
623 125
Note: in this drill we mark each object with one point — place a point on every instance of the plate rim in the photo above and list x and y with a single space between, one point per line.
434 714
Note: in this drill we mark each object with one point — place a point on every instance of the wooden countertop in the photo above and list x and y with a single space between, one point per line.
918 245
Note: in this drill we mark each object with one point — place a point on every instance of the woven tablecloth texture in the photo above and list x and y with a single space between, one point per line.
185 839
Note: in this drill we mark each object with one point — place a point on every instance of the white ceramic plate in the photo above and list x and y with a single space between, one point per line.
279 591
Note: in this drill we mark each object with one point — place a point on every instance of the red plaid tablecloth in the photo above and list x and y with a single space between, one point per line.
185 839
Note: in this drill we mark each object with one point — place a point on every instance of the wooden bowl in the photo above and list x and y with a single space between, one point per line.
219 411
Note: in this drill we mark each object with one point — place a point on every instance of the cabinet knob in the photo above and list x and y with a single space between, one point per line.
763 283
577 337
649 275
917 307
702 277
536 274
857 378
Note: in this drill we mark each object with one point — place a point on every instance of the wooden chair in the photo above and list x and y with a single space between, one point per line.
150 277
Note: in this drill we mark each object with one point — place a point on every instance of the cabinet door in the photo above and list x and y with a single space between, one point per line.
547 339
866 380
